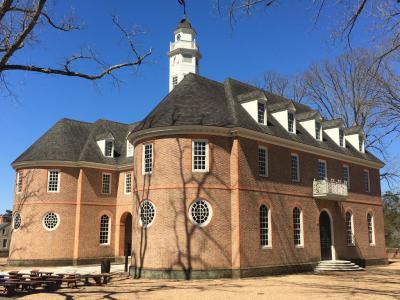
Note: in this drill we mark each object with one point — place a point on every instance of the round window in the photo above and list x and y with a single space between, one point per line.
147 212
17 221
50 221
200 212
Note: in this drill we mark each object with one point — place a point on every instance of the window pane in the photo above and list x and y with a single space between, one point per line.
349 229
106 184
294 168
53 181
297 230
109 149
318 130
261 113
321 170
264 226
370 229
148 158
346 176
128 183
104 229
366 181
262 162
19 182
291 122
200 155
341 137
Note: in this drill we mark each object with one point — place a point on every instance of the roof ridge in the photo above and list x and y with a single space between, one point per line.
230 100
105 120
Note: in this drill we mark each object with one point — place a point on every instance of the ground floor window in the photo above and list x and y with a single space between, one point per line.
147 213
200 212
297 227
264 226
104 230
371 229
349 229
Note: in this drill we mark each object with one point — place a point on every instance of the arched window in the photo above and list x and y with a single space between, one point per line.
371 229
297 227
265 227
349 228
104 230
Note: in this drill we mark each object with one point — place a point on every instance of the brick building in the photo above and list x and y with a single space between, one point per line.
219 180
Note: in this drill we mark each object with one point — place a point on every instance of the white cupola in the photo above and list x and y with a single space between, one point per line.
184 55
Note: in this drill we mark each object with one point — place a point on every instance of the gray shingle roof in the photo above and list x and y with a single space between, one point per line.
194 101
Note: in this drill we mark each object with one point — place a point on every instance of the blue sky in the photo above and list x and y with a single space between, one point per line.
283 39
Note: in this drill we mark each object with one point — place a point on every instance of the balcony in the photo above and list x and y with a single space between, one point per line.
329 189
183 44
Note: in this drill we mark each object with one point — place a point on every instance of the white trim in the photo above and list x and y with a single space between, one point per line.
207 156
58 221
20 177
143 158
112 147
108 230
58 180
373 228
130 149
269 246
209 216
301 245
139 214
102 182
125 192
298 167
352 228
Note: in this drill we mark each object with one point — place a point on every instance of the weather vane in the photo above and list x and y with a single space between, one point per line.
183 3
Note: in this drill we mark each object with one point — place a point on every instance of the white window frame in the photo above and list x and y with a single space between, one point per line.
58 221
207 156
108 231
348 175
265 161
319 131
352 243
366 171
102 183
294 122
130 149
298 167
342 142
125 185
371 243
58 180
264 115
210 211
144 160
112 148
326 169
20 177
269 245
301 245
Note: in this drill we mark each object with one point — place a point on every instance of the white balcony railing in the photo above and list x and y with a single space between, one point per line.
329 189
183 44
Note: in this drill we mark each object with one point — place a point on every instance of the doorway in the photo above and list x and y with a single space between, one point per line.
125 234
325 233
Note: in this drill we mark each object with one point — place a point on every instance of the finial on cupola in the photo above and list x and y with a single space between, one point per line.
183 3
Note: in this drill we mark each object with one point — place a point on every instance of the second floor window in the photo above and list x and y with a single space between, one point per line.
53 184
19 182
294 167
367 187
106 183
346 175
147 158
128 183
261 113
341 138
318 130
290 121
109 147
200 156
262 161
322 174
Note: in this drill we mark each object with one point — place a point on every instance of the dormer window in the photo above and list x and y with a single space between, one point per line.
341 138
261 113
361 144
290 121
129 149
109 149
318 131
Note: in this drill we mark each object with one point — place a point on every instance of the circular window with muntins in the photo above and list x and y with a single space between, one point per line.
17 221
50 221
147 212
200 213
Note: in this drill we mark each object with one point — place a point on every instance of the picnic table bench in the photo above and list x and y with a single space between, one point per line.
99 279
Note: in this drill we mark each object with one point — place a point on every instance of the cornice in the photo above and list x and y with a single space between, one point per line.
250 134
71 164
